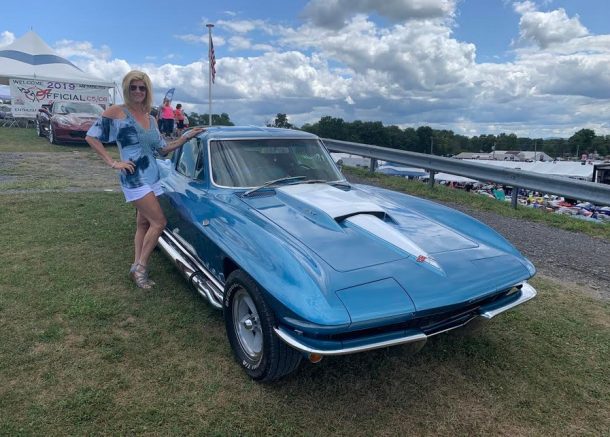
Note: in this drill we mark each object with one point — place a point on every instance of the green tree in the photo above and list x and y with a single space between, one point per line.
582 141
281 120
425 138
217 119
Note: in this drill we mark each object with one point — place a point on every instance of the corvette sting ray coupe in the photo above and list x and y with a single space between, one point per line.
303 263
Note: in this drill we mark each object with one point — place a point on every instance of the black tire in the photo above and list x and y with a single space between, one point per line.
52 139
273 358
39 130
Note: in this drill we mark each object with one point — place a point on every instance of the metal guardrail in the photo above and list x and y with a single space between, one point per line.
598 194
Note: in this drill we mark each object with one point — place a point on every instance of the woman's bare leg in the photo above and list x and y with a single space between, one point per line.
150 211
142 226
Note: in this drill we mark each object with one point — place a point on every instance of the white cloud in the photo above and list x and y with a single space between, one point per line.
547 28
410 72
242 43
241 26
6 38
201 39
333 14
81 49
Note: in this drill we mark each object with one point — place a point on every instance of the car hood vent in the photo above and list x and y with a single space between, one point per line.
349 231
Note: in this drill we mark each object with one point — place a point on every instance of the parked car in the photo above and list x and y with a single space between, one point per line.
304 264
5 111
66 121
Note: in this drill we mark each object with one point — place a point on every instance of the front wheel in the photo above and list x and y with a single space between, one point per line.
249 322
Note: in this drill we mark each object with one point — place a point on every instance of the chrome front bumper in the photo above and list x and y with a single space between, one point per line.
486 312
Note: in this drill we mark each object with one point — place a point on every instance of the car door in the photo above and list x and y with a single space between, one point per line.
186 204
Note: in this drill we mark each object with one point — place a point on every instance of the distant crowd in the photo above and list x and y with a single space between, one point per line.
171 121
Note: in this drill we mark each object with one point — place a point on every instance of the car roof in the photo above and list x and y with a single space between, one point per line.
218 132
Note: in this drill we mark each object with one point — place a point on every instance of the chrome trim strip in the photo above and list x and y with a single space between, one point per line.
527 292
461 325
296 344
194 260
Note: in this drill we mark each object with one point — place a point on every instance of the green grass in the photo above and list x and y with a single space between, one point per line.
85 352
25 140
478 202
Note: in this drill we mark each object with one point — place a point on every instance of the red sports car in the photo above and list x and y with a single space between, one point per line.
66 121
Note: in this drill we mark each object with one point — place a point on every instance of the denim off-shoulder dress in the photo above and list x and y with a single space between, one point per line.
135 144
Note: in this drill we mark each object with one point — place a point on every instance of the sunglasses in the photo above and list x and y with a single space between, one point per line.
137 87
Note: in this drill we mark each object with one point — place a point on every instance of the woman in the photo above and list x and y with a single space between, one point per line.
137 137
179 117
167 118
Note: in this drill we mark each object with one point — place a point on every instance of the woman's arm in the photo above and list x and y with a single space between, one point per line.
101 150
179 142
111 113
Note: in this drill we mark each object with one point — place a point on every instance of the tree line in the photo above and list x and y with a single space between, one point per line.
424 139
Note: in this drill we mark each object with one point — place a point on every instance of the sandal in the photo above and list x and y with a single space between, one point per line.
133 268
139 274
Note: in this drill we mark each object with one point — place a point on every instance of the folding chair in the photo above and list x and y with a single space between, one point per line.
10 121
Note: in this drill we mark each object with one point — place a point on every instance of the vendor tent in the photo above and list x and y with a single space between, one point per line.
38 76
30 57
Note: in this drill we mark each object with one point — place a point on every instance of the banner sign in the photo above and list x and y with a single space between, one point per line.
28 95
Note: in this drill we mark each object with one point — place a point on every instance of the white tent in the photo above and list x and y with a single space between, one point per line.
37 76
569 169
30 57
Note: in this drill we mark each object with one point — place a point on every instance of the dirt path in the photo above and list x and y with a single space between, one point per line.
55 171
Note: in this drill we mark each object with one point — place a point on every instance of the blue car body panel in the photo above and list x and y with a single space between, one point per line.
334 260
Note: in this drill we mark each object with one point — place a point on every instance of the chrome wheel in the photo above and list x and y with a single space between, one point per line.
249 321
246 323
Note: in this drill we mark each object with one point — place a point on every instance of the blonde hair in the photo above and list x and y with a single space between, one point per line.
138 75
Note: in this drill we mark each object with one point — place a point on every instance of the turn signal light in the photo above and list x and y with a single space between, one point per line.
315 358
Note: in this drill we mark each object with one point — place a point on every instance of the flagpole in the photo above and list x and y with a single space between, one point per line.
209 26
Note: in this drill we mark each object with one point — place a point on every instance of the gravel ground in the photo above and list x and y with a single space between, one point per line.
571 258
578 260
72 171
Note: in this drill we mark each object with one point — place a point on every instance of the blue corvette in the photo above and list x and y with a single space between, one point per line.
304 264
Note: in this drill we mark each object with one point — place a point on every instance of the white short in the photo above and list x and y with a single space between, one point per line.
132 194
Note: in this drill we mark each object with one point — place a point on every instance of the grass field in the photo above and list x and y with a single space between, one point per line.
26 140
85 352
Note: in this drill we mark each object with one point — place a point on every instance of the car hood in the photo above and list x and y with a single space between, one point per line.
372 237
76 118
349 230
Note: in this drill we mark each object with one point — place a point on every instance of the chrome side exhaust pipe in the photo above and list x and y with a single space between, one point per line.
195 276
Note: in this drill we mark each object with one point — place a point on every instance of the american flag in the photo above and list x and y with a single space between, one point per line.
212 60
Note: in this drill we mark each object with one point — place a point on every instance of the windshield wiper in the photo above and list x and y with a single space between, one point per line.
273 182
324 181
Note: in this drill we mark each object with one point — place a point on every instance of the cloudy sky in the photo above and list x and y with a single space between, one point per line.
534 68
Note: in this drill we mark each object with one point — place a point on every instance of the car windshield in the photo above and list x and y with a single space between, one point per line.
77 107
251 163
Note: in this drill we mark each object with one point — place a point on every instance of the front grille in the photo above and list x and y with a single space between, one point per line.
429 324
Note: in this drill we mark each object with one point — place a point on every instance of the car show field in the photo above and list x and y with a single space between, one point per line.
86 352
